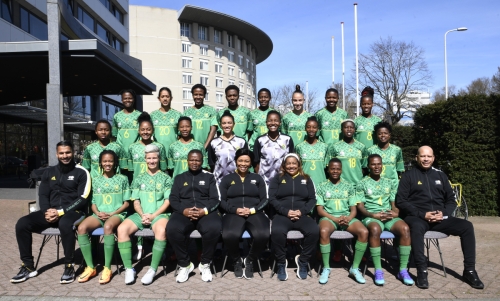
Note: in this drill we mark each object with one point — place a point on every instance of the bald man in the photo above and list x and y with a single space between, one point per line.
427 202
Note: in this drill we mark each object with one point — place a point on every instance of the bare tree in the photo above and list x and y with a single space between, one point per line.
282 99
440 95
393 69
480 85
350 100
495 82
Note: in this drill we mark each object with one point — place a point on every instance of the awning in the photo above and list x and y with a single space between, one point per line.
88 67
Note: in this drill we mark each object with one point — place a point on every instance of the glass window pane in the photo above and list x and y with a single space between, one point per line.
25 20
38 28
102 33
6 11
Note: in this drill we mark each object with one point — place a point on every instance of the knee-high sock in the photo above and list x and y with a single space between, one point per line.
376 257
158 249
359 251
404 256
325 254
125 249
86 248
109 248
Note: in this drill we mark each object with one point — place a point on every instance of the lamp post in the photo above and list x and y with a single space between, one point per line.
445 60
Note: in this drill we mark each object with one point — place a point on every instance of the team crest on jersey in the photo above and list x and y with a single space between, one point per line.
387 190
201 183
369 191
158 186
282 146
346 193
206 115
117 188
135 122
303 181
171 120
71 178
438 182
143 186
106 185
232 183
419 183
185 184
253 182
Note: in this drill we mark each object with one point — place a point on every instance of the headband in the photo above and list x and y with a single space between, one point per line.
292 155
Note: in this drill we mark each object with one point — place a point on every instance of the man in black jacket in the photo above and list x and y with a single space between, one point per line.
63 195
194 200
427 201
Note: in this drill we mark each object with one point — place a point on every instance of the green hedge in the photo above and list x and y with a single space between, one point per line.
464 133
403 137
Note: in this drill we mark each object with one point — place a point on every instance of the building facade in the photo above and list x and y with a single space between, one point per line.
179 49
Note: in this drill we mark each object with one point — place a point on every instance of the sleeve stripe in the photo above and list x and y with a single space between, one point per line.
88 185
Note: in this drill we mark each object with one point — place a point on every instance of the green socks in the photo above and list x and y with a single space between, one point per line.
125 249
359 251
158 249
376 258
109 247
325 254
404 256
86 248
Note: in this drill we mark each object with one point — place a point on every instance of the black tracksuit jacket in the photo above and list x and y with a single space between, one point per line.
194 189
252 193
422 191
288 193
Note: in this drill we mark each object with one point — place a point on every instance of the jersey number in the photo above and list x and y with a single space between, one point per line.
199 124
299 135
313 166
369 136
335 134
383 170
164 131
337 205
380 201
143 167
184 165
151 197
126 134
106 199
352 162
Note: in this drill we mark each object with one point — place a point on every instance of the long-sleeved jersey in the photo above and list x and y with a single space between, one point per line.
67 191
292 193
194 189
422 191
250 192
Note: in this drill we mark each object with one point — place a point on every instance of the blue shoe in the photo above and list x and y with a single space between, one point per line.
379 277
405 277
323 278
356 274
301 268
282 274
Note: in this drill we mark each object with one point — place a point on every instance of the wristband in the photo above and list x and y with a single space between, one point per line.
252 210
206 211
60 212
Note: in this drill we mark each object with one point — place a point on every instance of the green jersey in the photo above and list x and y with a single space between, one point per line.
392 160
257 125
109 194
314 159
94 150
364 129
353 158
241 117
151 190
137 161
165 126
376 195
125 128
329 124
295 126
202 118
336 198
177 156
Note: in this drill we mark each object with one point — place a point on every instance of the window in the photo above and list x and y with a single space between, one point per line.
186 105
187 78
206 96
85 18
113 9
252 68
219 96
230 41
248 63
253 80
238 44
203 49
230 82
186 94
204 80
248 49
202 33
240 60
218 82
218 67
187 62
117 44
242 87
219 108
240 73
186 47
33 25
218 53
203 65
249 90
185 30
102 33
5 11
230 70
217 36
230 56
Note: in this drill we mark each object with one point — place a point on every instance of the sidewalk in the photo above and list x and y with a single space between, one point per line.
340 286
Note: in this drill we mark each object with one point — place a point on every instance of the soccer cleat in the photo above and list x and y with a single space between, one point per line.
472 278
379 277
301 268
405 277
68 275
356 274
248 272
337 256
148 278
87 274
129 276
238 268
323 278
206 274
422 279
183 273
105 276
25 272
282 274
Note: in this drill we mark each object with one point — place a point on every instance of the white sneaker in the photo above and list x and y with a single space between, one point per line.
148 278
137 256
129 276
183 273
206 274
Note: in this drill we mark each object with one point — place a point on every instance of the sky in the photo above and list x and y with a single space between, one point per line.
301 32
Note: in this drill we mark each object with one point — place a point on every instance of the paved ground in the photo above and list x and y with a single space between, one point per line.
46 285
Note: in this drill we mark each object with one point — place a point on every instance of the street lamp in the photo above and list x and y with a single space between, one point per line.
445 60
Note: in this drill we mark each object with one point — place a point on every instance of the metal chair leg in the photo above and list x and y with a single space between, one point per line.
435 242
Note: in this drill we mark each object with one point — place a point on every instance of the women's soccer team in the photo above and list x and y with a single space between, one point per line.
227 172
